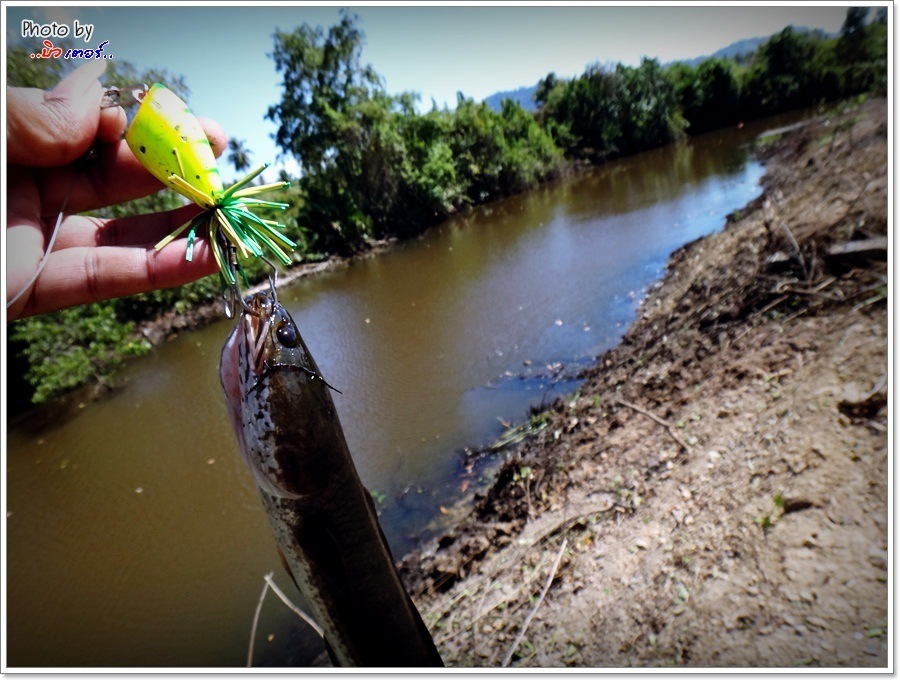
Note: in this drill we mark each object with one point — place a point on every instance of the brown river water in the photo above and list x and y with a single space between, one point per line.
135 535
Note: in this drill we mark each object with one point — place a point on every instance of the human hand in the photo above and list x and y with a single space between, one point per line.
92 259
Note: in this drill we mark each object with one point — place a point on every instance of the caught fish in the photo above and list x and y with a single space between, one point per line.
323 517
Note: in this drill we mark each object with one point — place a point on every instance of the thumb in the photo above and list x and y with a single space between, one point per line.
53 128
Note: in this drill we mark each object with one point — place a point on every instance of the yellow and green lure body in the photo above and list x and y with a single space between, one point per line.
168 140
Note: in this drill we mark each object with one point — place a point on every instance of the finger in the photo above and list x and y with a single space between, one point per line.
140 230
25 248
78 276
111 127
47 129
218 140
114 176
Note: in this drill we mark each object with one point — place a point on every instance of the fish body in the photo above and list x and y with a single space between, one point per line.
323 518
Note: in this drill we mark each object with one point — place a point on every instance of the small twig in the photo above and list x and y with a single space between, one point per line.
656 419
515 644
777 301
441 608
262 596
790 234
771 305
786 287
284 598
871 301
294 608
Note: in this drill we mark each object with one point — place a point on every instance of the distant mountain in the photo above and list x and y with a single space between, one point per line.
743 48
735 50
525 95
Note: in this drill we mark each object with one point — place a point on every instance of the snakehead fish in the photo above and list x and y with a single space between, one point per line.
323 518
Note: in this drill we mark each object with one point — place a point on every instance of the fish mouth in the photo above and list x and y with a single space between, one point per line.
273 342
257 326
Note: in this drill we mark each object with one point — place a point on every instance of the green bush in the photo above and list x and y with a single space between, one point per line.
68 348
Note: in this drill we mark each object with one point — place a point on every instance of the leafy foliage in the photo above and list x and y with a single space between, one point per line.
23 71
67 348
611 111
708 95
374 168
781 76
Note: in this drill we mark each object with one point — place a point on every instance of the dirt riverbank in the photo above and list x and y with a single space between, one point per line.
721 479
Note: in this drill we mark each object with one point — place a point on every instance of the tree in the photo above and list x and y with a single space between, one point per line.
860 53
23 71
584 114
781 77
853 32
649 116
544 88
322 81
708 95
238 154
324 120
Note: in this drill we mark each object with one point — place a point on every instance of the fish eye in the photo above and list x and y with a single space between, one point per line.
287 335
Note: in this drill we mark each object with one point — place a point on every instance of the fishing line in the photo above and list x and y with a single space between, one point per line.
112 96
47 252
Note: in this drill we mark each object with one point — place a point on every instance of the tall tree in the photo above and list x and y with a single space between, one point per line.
857 52
323 80
330 106
238 154
781 77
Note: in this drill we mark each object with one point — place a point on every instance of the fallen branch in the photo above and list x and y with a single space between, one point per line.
787 287
656 419
875 247
515 644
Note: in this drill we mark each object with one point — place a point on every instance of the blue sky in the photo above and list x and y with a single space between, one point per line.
222 51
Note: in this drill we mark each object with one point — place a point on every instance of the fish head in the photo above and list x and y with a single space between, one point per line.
277 400
272 339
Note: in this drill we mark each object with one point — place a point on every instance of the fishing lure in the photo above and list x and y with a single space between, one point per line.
169 142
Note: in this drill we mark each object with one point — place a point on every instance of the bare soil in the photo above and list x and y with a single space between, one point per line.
721 479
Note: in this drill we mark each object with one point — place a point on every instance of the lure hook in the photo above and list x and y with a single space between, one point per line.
232 293
273 278
231 297
123 96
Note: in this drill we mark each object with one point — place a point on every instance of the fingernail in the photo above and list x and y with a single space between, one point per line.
81 80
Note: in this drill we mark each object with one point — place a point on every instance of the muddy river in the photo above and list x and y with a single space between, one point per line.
135 535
